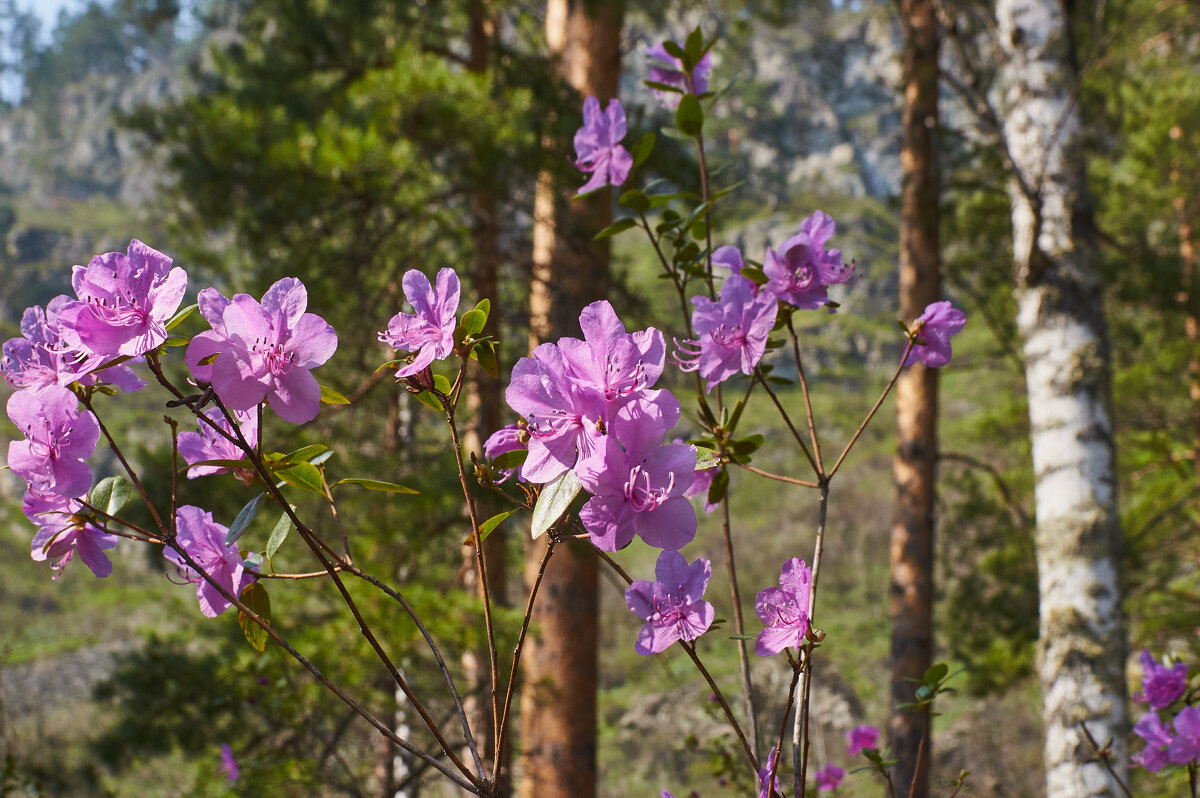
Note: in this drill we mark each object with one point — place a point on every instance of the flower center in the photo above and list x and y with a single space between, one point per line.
640 495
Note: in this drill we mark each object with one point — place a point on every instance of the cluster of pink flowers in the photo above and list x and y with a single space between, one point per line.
255 352
1179 742
121 305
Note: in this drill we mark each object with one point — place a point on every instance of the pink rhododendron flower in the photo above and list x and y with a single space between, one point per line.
125 301
765 772
794 273
263 351
429 330
208 444
935 327
598 147
568 391
509 438
1154 756
861 737
637 484
64 531
204 541
58 438
228 763
671 605
829 778
784 609
46 355
820 228
731 334
668 69
1161 685
1185 748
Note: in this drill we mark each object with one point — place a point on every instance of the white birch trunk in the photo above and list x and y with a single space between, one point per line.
1060 316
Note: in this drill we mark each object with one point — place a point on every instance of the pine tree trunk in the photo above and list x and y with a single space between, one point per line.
1081 662
484 402
916 402
570 270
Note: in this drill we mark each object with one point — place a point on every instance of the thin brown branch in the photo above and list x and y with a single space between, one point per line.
776 477
874 409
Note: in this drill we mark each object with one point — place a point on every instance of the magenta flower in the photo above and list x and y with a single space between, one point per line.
1185 748
1161 685
829 778
263 351
820 228
784 609
671 605
204 541
509 438
58 438
861 737
1154 756
429 331
794 273
765 773
208 444
669 69
567 392
731 334
64 531
598 145
125 301
228 763
637 484
933 329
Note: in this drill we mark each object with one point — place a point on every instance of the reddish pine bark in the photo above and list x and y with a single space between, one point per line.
916 401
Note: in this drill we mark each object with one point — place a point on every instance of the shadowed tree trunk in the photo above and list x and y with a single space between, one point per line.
1067 374
916 400
484 404
570 270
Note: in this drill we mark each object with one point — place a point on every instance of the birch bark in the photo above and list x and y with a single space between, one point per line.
1081 654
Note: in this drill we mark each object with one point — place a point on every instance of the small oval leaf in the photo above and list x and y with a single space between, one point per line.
554 500
375 484
238 528
255 598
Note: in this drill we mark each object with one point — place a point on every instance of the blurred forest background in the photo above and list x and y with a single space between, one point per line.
341 141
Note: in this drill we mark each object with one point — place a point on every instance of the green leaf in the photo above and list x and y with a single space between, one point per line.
707 458
716 195
747 445
936 673
511 459
484 307
305 476
643 148
243 463
689 116
484 352
472 322
754 274
617 227
676 133
238 527
255 598
489 526
375 484
331 397
208 361
719 487
279 534
429 400
654 84
176 340
110 494
322 457
693 49
659 200
442 383
304 454
674 49
556 497
178 318
634 200
735 417
391 365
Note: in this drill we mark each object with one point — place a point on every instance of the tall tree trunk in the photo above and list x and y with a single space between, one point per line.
1081 657
915 462
484 403
570 270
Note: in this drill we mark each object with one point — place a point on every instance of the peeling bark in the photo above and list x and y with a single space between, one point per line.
915 463
1067 372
